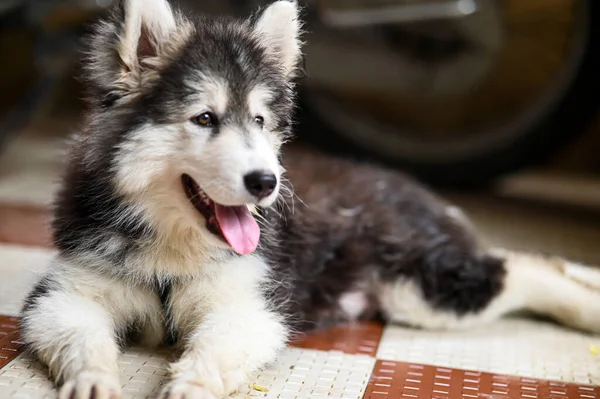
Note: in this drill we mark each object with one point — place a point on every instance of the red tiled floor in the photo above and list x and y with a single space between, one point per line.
9 339
25 225
355 338
395 380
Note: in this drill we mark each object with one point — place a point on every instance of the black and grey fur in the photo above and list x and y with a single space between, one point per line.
135 257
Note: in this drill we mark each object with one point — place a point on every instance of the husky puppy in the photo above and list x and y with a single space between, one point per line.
175 224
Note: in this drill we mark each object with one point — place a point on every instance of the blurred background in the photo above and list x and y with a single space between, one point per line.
493 102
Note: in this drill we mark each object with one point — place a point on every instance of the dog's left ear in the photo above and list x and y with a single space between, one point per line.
279 27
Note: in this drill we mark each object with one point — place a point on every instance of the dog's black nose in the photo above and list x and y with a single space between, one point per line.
260 184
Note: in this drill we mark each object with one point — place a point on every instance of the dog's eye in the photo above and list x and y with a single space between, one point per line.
206 119
259 119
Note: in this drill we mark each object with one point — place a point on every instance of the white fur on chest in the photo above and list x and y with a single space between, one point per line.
236 283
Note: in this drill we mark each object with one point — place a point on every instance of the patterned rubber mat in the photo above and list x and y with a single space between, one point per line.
512 358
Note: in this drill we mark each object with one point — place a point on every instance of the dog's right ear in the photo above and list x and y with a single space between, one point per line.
130 46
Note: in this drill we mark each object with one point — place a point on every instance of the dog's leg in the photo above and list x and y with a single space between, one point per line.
222 354
75 337
484 288
226 340
565 291
72 322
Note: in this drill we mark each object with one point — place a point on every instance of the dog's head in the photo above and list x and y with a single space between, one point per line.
193 111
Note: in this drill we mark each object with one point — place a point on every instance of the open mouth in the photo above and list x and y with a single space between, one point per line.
232 224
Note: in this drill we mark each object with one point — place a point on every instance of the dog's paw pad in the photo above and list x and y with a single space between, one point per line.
91 385
185 390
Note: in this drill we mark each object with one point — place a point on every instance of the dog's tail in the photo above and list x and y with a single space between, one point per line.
566 291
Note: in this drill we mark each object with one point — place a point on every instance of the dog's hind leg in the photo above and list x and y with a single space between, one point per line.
461 291
551 286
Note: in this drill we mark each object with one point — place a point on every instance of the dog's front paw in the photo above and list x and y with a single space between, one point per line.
91 385
234 379
185 389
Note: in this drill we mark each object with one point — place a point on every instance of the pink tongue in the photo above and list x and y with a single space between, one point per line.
238 227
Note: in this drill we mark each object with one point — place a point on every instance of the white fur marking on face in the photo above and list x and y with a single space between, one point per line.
230 156
145 156
217 95
279 27
258 99
148 170
212 95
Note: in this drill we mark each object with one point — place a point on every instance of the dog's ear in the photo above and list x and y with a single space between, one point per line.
129 46
279 27
147 26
